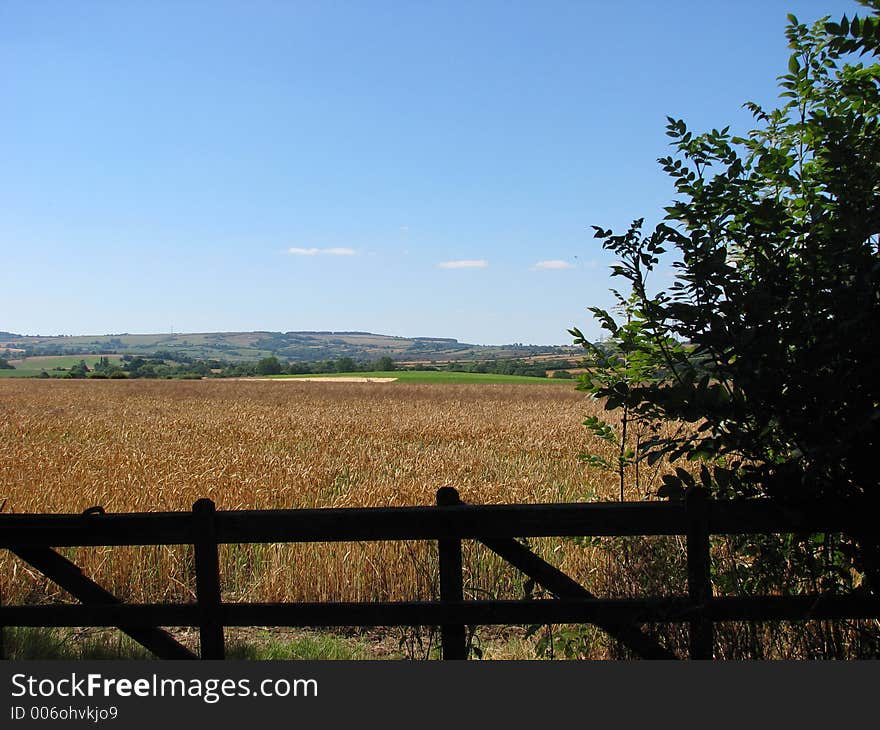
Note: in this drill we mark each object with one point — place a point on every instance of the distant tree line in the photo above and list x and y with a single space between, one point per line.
507 367
166 364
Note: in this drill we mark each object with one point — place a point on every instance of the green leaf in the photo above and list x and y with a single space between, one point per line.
671 489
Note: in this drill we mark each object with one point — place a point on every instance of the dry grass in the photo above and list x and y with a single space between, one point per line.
160 445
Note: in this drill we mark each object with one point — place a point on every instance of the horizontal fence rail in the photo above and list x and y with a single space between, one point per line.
30 536
601 519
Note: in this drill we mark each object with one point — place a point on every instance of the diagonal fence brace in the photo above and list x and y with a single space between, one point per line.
562 586
71 578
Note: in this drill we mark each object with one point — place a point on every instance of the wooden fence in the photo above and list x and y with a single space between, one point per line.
32 538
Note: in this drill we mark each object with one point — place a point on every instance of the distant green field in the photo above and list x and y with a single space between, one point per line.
434 377
32 366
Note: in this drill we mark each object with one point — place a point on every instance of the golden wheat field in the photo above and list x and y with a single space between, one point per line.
161 445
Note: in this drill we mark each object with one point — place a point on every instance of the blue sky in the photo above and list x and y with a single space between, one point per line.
408 168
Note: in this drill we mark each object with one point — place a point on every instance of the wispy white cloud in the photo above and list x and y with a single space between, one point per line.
322 251
469 264
553 264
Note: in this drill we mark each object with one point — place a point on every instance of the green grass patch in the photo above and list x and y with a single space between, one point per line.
308 646
31 367
428 376
19 373
65 644
75 644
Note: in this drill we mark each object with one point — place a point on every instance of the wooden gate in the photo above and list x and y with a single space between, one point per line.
33 537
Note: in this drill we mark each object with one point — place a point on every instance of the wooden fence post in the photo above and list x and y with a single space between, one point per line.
2 631
208 581
698 569
452 636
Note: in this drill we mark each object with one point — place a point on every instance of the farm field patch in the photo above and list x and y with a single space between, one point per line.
161 445
33 366
431 376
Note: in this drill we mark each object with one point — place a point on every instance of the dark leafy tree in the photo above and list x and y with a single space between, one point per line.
385 364
80 370
268 366
765 344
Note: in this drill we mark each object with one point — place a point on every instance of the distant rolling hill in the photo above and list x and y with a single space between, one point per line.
293 346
